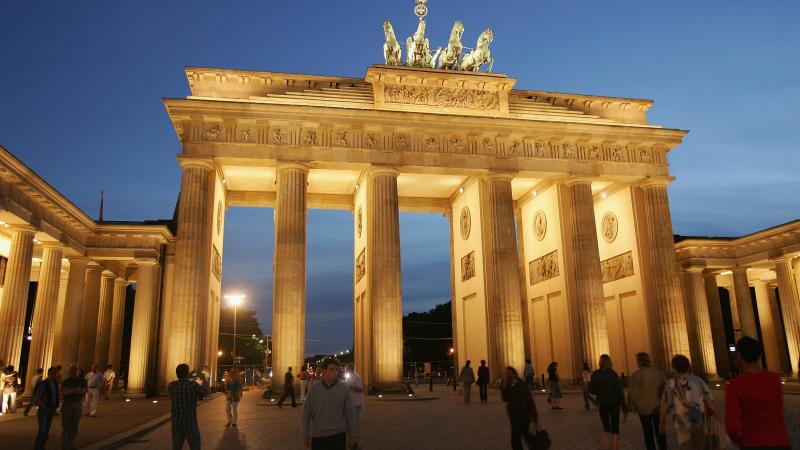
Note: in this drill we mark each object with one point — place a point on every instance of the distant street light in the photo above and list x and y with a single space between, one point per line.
219 353
235 301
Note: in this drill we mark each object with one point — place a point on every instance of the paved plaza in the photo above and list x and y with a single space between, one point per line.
437 424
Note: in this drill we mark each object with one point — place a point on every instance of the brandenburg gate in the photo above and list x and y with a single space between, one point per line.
561 242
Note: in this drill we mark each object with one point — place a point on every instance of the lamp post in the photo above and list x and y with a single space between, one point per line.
235 301
453 366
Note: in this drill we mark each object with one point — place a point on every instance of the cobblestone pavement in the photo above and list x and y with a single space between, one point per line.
113 417
445 423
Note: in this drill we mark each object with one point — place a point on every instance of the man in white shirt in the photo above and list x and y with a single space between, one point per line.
94 382
109 378
357 394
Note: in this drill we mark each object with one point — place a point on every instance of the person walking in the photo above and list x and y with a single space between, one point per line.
586 378
520 408
607 386
109 378
94 382
302 377
233 394
529 373
646 386
46 398
36 380
754 402
483 382
329 417
467 377
689 401
554 384
73 389
357 393
9 382
288 389
183 413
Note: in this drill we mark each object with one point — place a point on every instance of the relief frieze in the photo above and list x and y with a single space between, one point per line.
544 268
216 263
617 267
468 266
442 97
361 265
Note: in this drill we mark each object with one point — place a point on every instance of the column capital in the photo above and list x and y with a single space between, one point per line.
80 260
51 244
577 179
285 165
145 261
496 175
736 270
693 269
108 274
783 258
652 182
373 170
94 267
121 280
205 163
23 228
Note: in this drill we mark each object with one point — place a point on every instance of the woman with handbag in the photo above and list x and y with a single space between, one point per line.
554 385
689 401
521 410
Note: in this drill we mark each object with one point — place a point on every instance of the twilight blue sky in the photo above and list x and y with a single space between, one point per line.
81 87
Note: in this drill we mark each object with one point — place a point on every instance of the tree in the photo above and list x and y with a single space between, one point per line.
250 340
428 336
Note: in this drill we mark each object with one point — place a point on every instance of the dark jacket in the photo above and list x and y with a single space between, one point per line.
288 378
519 402
483 375
607 386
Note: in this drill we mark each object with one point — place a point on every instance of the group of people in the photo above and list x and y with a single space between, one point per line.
53 394
331 407
753 403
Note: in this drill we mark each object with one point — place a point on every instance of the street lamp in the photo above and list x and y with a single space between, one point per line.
453 366
235 301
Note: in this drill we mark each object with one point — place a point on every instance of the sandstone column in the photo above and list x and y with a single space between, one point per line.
701 342
790 304
744 302
780 332
383 259
44 313
117 322
145 311
769 338
586 270
67 341
289 266
15 295
717 325
89 311
104 313
502 274
667 291
192 265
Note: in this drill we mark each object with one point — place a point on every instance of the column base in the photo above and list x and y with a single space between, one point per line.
390 388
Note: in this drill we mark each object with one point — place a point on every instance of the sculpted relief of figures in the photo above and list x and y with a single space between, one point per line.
609 227
216 263
468 266
361 265
442 97
618 267
544 268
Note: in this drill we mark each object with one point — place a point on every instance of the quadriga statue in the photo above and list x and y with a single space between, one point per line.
450 57
391 48
480 55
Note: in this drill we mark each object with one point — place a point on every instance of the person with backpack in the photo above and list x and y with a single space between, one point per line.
606 385
688 400
46 398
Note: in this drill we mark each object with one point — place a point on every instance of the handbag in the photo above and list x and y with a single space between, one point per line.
540 439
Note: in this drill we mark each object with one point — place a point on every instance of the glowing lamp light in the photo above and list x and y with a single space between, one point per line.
603 195
535 193
461 190
235 300
155 401
410 395
30 337
380 395
127 400
272 399
717 384
347 376
452 351
219 353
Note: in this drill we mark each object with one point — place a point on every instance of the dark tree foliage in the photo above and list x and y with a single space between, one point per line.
427 336
251 343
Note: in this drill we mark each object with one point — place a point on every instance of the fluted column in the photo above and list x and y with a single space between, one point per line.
717 325
15 295
104 312
699 323
586 270
385 282
744 302
117 322
44 313
667 292
89 311
67 342
780 332
289 266
790 304
192 265
502 273
769 339
145 311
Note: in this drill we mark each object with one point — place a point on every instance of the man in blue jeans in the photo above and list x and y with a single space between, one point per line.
46 398
184 394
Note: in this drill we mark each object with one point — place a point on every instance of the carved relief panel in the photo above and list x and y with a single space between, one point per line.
361 265
617 267
465 222
468 266
216 263
609 227
539 225
544 268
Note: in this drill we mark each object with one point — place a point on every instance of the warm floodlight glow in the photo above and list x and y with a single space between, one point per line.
603 195
452 351
155 401
235 300
461 190
535 193
219 353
